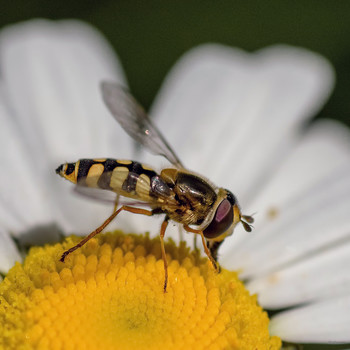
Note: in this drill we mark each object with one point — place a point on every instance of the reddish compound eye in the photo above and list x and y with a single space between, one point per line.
222 220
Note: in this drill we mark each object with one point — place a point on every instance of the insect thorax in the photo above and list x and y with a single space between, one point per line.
194 196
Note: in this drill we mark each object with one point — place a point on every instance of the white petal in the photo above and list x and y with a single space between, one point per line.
322 322
233 115
52 72
316 220
20 198
322 150
8 252
318 277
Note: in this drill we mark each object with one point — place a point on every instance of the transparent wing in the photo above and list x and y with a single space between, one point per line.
134 120
106 197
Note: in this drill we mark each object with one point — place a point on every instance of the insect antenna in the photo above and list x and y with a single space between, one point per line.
248 218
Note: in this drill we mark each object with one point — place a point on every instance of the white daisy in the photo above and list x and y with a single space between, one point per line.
237 118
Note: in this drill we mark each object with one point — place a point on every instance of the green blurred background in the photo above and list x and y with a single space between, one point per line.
149 36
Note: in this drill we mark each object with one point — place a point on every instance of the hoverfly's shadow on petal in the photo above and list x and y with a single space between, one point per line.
39 236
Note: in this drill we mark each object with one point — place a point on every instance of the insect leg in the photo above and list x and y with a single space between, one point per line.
116 203
161 236
195 242
100 228
181 235
207 251
214 246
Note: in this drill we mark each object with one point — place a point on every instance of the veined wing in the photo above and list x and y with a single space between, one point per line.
108 197
134 120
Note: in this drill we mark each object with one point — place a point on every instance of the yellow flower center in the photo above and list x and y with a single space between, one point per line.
109 295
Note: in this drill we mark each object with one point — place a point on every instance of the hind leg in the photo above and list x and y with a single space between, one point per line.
103 226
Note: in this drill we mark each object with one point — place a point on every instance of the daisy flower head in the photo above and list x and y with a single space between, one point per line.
240 120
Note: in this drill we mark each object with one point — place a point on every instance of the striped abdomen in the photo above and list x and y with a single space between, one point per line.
126 177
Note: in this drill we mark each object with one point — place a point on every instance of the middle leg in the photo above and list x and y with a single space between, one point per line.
161 236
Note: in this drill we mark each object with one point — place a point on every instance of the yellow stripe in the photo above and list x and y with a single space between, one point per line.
142 186
76 170
94 174
146 167
73 176
125 162
118 177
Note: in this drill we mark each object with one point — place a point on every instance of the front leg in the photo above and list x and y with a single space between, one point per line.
214 246
207 251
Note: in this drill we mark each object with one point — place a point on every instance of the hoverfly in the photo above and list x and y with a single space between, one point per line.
176 192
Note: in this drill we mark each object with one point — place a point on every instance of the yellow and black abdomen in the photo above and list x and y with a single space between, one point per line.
126 177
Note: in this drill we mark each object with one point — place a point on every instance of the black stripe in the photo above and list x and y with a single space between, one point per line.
110 164
59 169
70 168
149 173
84 167
138 169
129 185
105 179
156 183
135 170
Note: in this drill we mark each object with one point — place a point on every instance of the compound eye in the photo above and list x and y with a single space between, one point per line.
222 220
230 197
